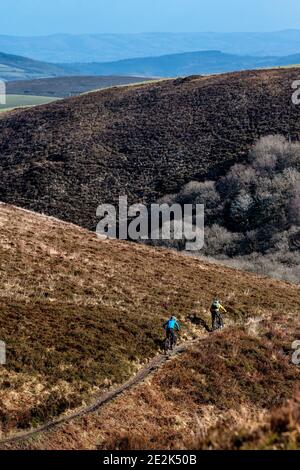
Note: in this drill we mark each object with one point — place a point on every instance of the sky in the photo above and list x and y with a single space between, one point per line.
43 17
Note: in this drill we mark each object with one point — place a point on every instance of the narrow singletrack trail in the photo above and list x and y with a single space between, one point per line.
106 397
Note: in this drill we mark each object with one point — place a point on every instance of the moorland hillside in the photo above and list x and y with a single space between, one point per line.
80 315
145 141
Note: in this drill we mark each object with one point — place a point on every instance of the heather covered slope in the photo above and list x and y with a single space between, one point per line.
79 315
145 141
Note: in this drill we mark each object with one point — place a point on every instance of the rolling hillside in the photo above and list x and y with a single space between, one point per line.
66 158
80 315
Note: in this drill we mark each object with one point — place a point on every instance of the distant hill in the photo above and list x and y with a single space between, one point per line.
67 157
112 47
67 86
190 63
13 67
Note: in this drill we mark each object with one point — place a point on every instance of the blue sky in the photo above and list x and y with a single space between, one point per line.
34 17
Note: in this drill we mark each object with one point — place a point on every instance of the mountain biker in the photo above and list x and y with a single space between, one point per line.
216 315
169 326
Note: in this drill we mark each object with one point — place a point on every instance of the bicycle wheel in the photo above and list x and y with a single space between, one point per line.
167 345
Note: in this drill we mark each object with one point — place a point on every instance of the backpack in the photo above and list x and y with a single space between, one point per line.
215 306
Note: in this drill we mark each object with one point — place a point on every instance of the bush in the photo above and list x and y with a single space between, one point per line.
202 193
253 211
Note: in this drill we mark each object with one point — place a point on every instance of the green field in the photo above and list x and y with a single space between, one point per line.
18 101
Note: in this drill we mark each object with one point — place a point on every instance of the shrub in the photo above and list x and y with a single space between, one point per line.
254 210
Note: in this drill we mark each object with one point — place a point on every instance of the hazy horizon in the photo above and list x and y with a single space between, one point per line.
77 17
93 33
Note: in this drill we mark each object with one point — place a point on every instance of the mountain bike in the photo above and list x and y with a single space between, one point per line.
218 322
170 343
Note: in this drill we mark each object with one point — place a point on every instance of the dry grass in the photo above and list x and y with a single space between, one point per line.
278 430
79 314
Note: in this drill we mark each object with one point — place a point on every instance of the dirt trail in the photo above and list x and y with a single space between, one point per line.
106 397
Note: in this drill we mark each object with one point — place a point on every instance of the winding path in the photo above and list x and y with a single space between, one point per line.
106 397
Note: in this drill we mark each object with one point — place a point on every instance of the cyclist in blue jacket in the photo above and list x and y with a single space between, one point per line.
170 326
